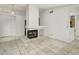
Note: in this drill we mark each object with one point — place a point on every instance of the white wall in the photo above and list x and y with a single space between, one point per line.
58 23
11 26
20 25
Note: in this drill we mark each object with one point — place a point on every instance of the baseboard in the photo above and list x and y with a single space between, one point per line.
51 37
9 38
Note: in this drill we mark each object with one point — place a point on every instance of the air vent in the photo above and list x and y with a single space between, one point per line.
51 11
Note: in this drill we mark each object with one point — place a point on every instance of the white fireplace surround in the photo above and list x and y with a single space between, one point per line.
32 17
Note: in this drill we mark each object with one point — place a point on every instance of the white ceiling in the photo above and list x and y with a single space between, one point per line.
22 7
46 6
8 8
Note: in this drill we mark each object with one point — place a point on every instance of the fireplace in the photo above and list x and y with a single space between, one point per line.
32 34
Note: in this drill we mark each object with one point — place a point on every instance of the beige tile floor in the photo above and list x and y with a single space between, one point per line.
37 46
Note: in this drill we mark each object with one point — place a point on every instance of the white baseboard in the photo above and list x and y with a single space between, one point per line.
52 37
9 38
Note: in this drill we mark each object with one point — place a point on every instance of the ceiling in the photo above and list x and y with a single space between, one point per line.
22 7
46 6
18 7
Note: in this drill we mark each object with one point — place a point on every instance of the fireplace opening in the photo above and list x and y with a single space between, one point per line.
32 34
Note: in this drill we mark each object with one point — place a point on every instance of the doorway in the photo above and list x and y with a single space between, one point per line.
77 27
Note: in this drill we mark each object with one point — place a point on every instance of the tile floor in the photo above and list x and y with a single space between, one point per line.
38 46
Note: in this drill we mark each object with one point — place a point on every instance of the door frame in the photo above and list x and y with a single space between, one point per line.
76 22
76 14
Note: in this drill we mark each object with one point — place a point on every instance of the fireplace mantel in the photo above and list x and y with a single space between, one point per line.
38 27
